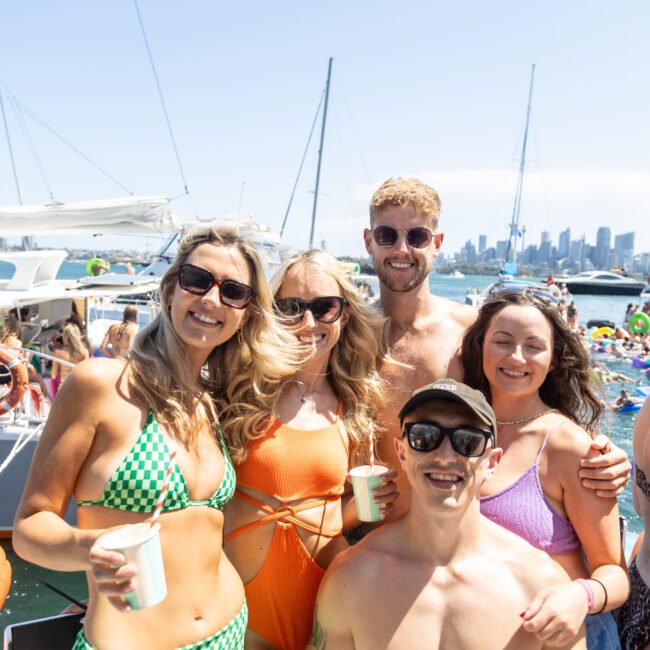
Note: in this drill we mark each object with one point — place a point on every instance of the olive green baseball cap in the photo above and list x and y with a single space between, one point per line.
450 389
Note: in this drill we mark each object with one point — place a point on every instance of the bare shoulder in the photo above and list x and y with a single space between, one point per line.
95 374
360 567
547 572
532 569
463 314
568 443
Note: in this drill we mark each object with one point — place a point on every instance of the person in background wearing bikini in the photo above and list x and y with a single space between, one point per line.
633 618
119 337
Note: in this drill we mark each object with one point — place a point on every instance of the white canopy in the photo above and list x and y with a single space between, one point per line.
133 214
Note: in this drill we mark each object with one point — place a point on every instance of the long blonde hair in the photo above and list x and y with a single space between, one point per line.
73 342
353 364
10 329
238 378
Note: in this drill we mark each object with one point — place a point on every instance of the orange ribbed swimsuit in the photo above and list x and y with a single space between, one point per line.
289 464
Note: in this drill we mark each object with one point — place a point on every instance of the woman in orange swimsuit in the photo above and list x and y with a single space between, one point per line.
284 526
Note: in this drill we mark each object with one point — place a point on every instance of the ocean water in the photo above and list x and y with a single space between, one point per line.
29 600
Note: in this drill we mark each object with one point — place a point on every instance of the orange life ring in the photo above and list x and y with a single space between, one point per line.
5 576
19 379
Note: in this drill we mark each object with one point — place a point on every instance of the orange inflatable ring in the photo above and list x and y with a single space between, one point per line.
19 379
5 576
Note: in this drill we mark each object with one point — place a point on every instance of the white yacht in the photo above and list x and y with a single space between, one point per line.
603 282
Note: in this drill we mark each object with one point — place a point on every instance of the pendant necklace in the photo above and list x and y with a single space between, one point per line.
532 417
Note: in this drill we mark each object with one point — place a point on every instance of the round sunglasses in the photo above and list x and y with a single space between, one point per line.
465 440
198 282
327 309
387 236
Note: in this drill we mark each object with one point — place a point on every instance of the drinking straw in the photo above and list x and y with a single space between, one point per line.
163 491
372 447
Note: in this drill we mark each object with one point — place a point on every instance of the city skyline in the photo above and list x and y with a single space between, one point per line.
568 255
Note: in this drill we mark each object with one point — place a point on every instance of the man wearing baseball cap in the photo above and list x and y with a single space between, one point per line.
443 576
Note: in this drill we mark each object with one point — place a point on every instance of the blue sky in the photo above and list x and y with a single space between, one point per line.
432 89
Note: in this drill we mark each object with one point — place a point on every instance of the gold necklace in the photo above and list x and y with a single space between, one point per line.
532 417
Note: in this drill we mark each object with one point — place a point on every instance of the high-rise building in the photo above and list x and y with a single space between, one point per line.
624 250
545 249
482 243
564 243
603 243
469 253
502 247
576 252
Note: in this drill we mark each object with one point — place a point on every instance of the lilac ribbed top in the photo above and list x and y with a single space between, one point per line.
524 509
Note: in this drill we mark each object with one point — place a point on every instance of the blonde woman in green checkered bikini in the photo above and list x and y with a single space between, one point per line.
110 434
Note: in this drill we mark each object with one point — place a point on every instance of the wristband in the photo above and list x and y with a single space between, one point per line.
602 609
590 592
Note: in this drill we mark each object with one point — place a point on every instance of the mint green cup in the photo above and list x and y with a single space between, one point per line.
140 545
365 479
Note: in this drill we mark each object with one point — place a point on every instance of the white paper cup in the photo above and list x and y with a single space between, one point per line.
140 545
364 479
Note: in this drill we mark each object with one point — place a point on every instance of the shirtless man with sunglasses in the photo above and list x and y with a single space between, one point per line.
426 330
443 576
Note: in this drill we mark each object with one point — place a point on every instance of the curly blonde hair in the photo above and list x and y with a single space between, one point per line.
407 191
353 364
238 377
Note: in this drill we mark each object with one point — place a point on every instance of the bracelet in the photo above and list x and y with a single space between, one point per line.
602 609
590 592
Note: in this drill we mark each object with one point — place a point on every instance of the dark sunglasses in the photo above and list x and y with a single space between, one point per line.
387 236
198 282
327 309
465 440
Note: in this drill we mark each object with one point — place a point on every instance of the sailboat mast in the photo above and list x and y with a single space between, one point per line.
514 225
320 153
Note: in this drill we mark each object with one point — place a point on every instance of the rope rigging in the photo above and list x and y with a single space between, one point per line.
162 99
20 110
302 162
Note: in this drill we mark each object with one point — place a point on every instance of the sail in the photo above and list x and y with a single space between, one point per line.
126 215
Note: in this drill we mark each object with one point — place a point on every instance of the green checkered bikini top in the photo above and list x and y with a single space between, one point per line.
136 483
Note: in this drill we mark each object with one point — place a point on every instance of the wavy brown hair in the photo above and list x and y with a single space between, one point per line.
567 386
238 378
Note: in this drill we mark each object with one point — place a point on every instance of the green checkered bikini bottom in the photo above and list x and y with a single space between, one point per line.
229 637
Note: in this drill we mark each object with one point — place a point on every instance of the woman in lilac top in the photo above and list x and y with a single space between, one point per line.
535 372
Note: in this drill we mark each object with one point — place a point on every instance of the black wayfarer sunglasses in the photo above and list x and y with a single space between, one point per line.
327 309
387 236
465 440
198 282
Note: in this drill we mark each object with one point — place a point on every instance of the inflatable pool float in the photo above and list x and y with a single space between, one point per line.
5 576
638 362
96 261
639 323
642 391
602 331
629 408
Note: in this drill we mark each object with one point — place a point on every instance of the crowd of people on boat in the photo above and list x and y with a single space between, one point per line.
67 346
245 405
